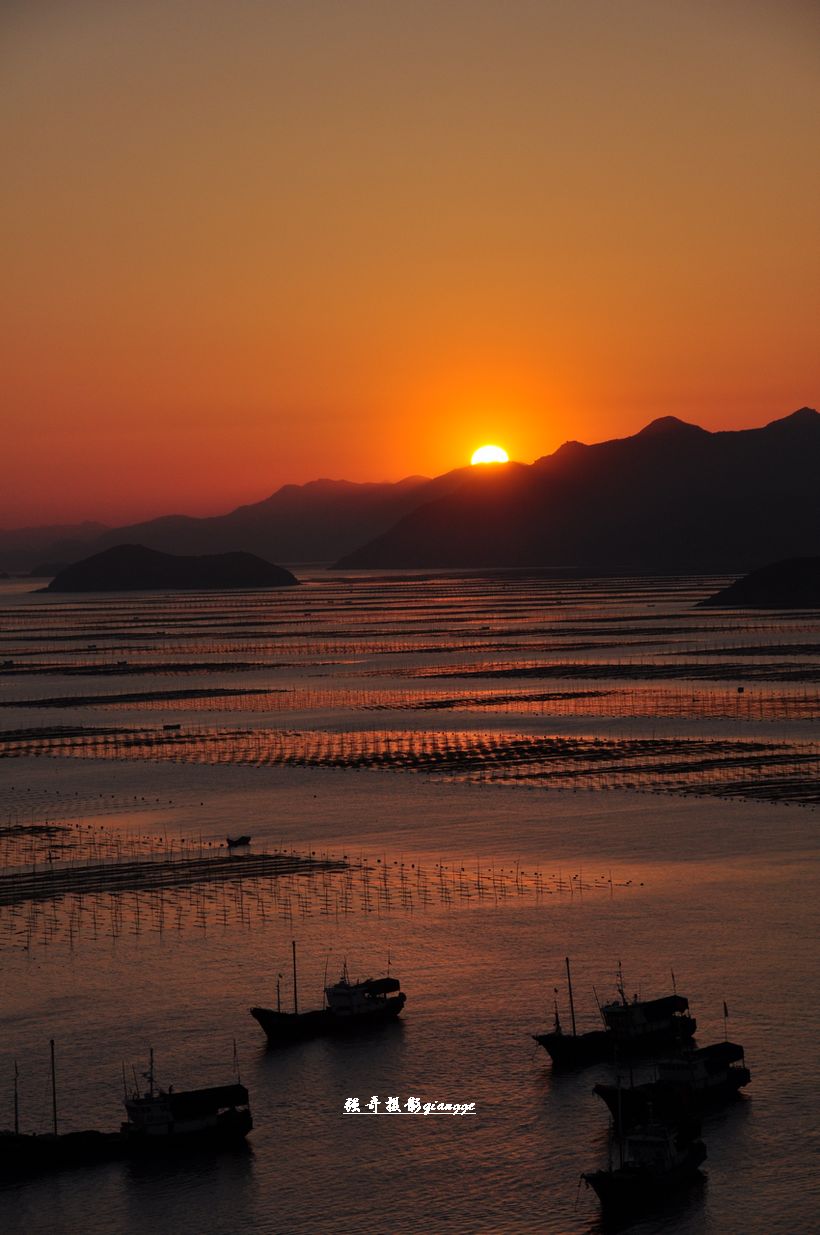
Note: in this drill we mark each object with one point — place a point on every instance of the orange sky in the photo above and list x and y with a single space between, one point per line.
260 242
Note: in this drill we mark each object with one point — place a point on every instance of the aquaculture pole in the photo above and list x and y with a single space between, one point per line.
53 1090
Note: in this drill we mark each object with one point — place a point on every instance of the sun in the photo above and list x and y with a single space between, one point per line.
490 454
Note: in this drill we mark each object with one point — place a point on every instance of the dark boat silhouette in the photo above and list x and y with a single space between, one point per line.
29 1152
631 1027
653 1161
164 1119
685 1086
22 1152
234 842
350 1007
158 1122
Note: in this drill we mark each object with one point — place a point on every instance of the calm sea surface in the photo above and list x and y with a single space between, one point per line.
515 770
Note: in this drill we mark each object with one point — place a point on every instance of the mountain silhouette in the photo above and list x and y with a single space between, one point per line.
129 568
24 547
672 498
793 584
314 522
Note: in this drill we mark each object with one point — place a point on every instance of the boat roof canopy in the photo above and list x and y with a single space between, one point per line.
381 986
720 1052
651 1007
194 1102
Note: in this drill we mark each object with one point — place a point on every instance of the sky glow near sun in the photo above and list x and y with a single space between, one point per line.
200 318
490 454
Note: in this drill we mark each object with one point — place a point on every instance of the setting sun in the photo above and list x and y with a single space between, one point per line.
490 454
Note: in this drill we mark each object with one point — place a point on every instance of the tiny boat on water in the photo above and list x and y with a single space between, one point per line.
631 1027
686 1085
350 1007
653 1161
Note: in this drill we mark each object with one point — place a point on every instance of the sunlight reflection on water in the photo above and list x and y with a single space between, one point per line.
723 892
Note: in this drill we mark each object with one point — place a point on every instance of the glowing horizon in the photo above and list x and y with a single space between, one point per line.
294 262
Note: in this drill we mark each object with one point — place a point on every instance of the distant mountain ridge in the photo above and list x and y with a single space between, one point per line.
672 498
317 521
21 548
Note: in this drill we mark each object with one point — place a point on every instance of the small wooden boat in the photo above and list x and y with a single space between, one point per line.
653 1161
161 1119
157 1121
698 1079
236 842
350 1007
631 1027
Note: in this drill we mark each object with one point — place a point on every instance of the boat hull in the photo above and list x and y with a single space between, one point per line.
23 1153
601 1045
231 1128
576 1050
284 1027
630 1188
634 1105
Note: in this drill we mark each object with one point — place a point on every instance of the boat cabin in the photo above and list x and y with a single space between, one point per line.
346 998
166 1113
651 1147
709 1066
630 1021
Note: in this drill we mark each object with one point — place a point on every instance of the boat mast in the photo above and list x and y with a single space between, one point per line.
16 1102
53 1090
295 997
619 978
150 1077
571 1002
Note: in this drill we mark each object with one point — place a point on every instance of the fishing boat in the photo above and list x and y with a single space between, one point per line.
630 1027
688 1084
26 1152
653 1160
572 1050
237 842
349 1007
157 1121
163 1118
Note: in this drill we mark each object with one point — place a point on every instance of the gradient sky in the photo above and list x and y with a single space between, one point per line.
249 242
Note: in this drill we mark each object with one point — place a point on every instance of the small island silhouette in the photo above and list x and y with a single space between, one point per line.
130 568
790 584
